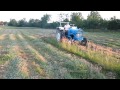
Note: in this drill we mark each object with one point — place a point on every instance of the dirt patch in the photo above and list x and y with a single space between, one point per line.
33 37
23 67
0 47
2 37
20 36
20 52
12 37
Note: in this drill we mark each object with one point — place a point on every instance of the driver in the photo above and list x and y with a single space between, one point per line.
66 28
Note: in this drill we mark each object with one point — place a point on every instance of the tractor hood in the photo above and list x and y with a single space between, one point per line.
60 28
77 33
74 30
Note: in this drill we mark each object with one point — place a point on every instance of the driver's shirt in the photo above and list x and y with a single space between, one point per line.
66 27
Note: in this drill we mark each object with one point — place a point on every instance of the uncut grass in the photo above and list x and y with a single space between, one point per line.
107 61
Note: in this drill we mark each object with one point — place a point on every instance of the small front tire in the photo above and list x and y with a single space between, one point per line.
84 42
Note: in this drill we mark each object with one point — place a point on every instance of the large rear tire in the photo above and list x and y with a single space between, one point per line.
58 35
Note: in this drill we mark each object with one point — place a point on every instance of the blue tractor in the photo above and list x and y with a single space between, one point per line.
73 34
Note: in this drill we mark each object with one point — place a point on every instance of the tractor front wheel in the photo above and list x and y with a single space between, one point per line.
84 42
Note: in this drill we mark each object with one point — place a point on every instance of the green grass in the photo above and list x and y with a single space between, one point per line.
69 69
110 39
4 58
62 61
95 55
107 62
5 51
10 27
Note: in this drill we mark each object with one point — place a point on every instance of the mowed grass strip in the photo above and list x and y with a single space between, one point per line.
57 69
106 61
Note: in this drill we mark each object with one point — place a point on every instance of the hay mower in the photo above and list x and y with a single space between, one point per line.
74 34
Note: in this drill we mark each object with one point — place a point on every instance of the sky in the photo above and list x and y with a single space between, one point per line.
7 15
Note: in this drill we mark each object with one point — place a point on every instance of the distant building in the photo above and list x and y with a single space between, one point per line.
1 23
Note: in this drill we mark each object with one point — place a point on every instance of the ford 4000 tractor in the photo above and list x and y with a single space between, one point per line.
73 34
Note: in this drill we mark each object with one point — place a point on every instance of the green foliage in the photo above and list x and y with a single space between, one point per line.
44 21
77 19
114 24
13 22
94 15
93 21
22 23
52 25
31 22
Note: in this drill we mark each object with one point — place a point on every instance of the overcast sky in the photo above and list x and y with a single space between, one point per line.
7 15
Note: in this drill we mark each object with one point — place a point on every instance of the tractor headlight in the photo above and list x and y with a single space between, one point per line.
78 35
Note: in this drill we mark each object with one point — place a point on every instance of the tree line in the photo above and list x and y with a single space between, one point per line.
93 21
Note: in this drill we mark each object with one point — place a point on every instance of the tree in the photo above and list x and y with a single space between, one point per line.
113 18
44 20
31 23
94 20
63 17
52 25
13 22
114 24
22 23
37 23
94 15
77 19
103 24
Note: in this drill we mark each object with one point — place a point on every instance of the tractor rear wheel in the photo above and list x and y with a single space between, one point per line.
59 35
